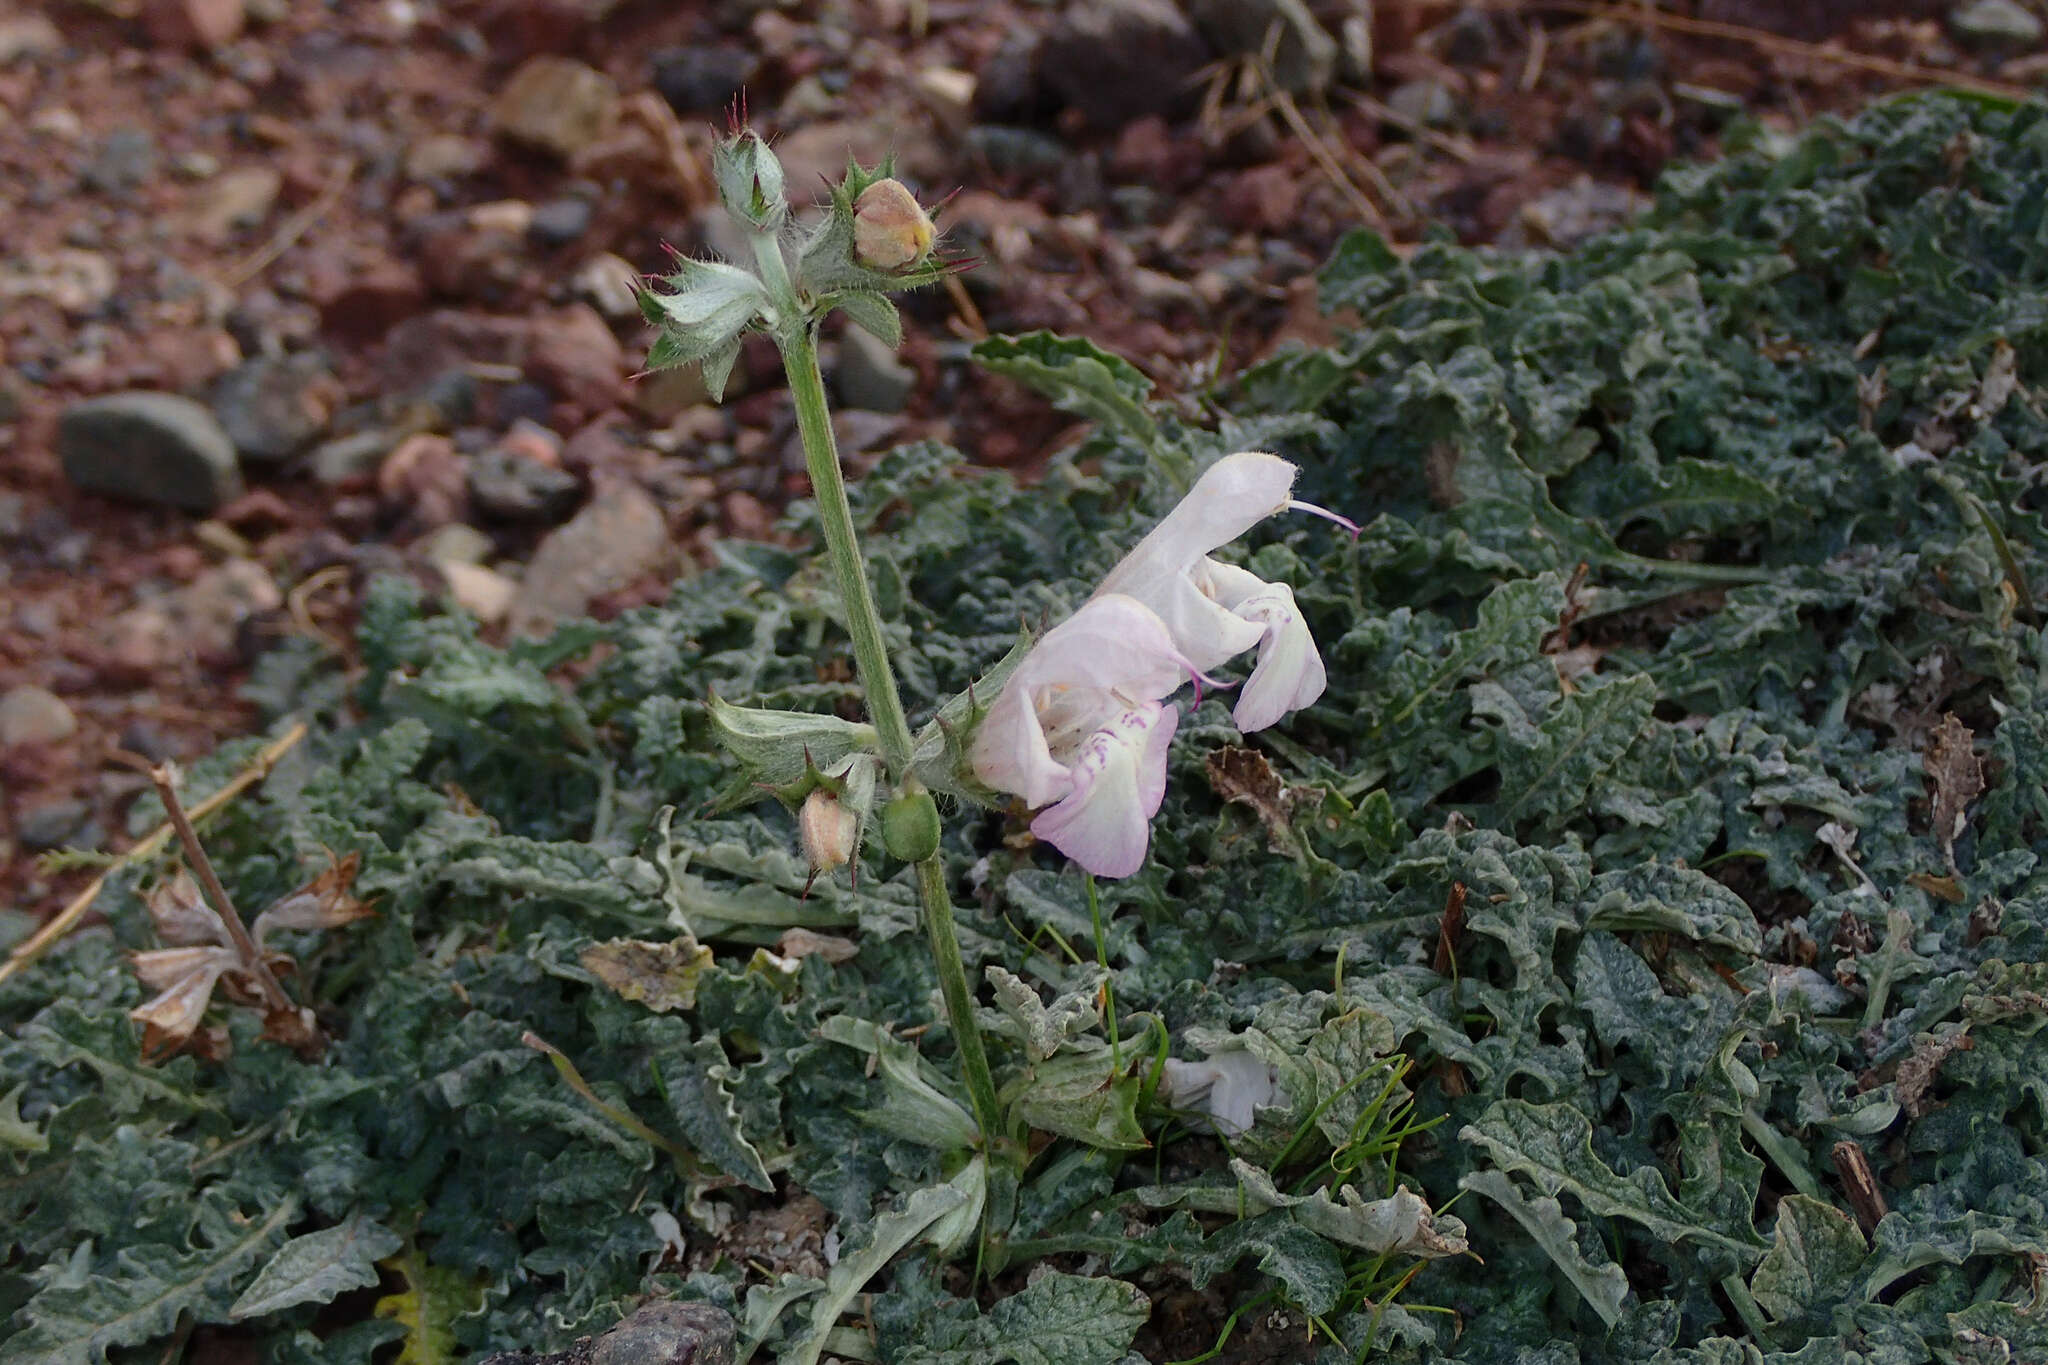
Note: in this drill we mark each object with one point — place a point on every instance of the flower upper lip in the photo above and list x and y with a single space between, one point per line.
1082 728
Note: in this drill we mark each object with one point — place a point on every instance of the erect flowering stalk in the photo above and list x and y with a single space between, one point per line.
874 237
1082 728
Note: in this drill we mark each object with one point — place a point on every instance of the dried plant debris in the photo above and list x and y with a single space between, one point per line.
1711 994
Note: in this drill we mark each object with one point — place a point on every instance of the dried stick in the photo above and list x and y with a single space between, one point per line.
195 854
65 920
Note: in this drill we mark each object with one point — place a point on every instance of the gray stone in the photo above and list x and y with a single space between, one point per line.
274 406
669 1334
869 376
348 458
618 537
655 1334
1304 60
1995 24
1017 151
1425 102
34 715
1119 60
513 488
124 161
701 77
51 824
560 221
152 447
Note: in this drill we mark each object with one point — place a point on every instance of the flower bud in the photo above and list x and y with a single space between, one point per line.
890 230
910 827
830 831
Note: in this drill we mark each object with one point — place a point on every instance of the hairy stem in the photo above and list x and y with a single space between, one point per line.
828 486
878 680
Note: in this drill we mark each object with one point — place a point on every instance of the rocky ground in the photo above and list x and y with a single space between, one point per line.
297 293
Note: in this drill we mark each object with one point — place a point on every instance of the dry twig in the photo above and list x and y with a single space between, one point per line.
65 920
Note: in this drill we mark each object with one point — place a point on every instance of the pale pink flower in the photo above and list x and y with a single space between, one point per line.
1216 611
1079 728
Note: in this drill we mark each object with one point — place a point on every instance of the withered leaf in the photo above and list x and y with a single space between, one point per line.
186 978
181 915
661 976
1958 776
801 942
1246 777
323 903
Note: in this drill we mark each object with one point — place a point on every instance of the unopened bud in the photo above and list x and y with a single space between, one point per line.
829 829
890 229
910 827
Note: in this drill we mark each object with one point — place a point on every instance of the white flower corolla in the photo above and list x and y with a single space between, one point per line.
1119 778
1079 727
1229 1088
1217 611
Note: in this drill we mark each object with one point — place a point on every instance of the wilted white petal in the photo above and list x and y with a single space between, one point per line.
1229 1087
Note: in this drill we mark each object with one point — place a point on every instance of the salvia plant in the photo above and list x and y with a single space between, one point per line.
1592 912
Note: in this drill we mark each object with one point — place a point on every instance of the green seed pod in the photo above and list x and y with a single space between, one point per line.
910 827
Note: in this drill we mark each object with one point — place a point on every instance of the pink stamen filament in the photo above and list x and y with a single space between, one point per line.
1296 505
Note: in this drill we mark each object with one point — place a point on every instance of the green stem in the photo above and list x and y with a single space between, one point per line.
835 515
945 945
871 658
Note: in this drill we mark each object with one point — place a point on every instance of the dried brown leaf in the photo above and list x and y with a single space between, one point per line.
323 903
1919 1068
800 942
1246 777
661 976
1958 776
181 915
170 1019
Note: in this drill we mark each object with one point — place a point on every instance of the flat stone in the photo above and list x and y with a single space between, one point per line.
274 406
51 824
1995 24
151 447
618 537
511 487
34 715
557 105
868 375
